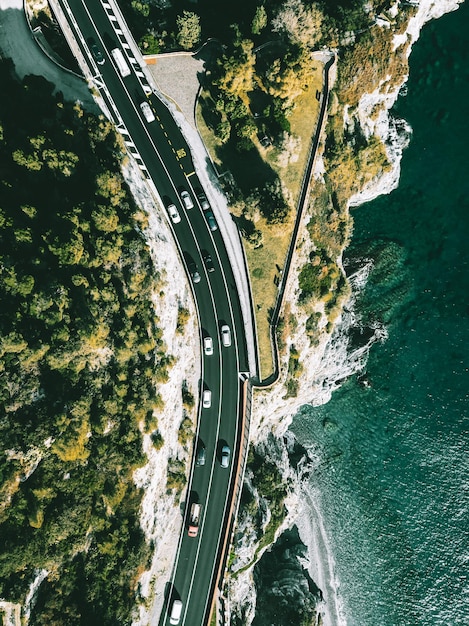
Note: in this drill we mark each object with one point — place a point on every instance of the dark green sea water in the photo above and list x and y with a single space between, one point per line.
393 479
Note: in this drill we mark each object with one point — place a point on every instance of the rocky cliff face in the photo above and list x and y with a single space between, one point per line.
160 514
339 350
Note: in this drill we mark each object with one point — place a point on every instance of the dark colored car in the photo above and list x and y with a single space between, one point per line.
211 221
97 54
208 262
194 272
202 198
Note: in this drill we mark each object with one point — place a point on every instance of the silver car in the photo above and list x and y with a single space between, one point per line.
185 197
225 456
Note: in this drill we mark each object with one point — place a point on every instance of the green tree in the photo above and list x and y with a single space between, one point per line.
274 207
31 161
60 161
288 76
237 71
149 44
141 7
76 286
188 33
245 129
259 21
223 131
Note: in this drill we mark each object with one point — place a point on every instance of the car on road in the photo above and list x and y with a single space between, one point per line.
208 262
194 272
120 61
147 112
194 519
173 213
96 52
211 221
201 455
225 335
225 456
176 611
207 399
185 197
202 198
208 346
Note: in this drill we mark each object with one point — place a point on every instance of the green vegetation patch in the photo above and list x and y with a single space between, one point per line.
295 368
267 481
176 476
263 181
80 358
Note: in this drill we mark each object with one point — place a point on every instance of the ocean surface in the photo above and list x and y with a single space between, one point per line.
389 490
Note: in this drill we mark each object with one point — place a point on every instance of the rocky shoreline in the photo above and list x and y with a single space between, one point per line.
325 366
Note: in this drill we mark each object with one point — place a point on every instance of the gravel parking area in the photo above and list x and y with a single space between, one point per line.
176 76
179 76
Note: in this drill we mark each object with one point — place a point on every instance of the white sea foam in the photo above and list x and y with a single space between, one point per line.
322 565
341 360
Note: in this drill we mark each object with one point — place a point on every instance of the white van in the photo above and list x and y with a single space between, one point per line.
147 112
194 518
120 62
176 611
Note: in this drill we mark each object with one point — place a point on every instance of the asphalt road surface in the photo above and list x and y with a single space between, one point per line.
167 159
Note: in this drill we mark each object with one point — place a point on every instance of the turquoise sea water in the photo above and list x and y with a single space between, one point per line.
393 475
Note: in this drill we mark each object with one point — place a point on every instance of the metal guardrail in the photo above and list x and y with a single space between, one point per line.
301 205
242 447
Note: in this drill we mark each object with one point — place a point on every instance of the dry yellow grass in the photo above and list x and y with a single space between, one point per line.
303 124
266 263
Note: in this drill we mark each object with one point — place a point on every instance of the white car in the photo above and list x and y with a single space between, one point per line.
173 213
147 112
208 346
185 197
226 335
176 611
207 399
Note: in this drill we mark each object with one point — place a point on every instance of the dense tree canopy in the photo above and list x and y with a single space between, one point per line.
188 30
80 357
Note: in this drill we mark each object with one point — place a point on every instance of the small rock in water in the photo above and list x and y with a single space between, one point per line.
329 424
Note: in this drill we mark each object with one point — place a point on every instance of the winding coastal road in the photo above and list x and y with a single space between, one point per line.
165 160
95 28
